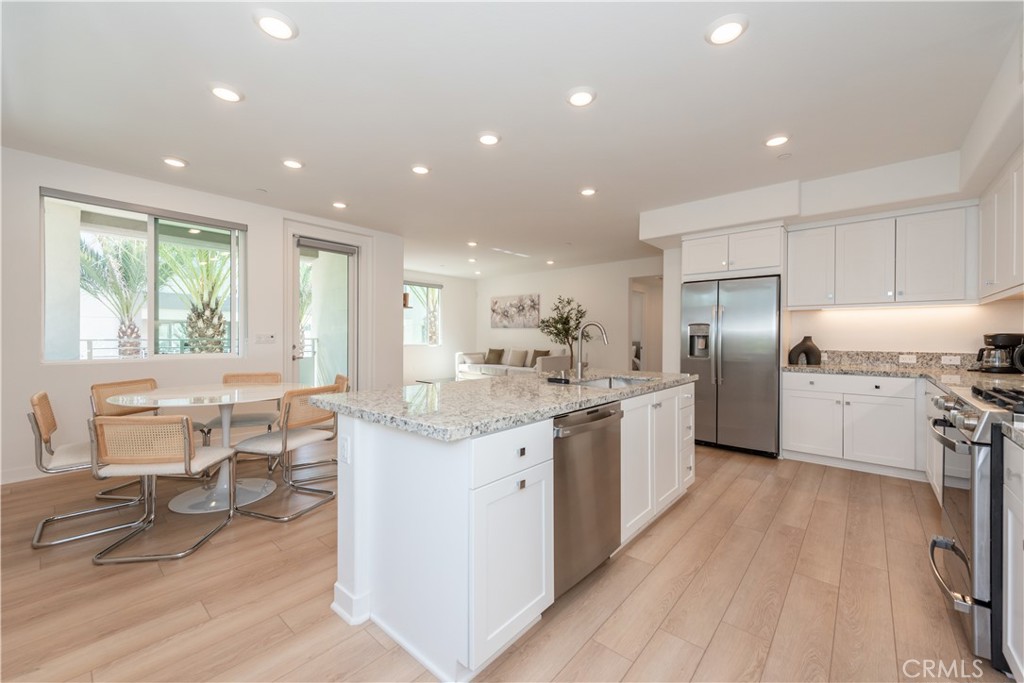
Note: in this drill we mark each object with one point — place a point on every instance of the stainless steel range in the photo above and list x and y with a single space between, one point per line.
964 429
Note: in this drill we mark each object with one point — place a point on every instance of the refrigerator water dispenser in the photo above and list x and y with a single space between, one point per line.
698 335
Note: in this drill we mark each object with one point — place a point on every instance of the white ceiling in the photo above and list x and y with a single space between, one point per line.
368 89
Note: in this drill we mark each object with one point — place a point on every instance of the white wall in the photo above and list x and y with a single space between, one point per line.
603 290
268 250
651 287
942 328
458 329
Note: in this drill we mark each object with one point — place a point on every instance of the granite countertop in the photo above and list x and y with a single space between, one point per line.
457 410
946 376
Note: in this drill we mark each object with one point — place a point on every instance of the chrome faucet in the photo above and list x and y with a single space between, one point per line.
579 347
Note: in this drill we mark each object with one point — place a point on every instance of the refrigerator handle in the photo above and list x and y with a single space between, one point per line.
718 344
713 342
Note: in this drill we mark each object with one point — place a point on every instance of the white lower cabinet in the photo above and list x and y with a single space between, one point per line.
657 454
856 418
1013 557
512 580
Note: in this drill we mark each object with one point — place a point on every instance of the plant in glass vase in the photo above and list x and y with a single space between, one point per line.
563 326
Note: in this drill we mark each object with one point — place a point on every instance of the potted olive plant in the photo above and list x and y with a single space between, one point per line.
563 326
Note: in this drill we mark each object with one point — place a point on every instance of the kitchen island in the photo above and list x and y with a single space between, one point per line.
445 503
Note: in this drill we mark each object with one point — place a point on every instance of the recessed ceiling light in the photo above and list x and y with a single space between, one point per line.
726 29
471 244
175 162
588 192
476 272
339 205
227 94
194 231
581 97
292 163
420 169
776 140
550 263
275 24
472 260
488 138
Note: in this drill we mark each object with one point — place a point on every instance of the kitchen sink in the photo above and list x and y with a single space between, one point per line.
615 382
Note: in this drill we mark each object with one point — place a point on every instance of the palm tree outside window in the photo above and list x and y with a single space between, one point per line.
124 282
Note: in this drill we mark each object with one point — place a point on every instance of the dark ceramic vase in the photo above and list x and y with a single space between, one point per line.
807 349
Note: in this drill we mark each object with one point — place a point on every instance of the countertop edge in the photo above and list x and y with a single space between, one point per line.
578 398
1014 433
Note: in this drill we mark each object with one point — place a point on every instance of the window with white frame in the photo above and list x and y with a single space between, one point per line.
124 282
422 326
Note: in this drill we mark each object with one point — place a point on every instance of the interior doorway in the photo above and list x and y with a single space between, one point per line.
645 322
324 306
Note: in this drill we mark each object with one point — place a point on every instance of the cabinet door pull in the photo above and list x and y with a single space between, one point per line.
878 386
522 484
657 405
811 382
840 402
522 451
847 403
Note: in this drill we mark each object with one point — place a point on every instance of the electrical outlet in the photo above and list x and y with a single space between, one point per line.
344 451
824 356
264 339
950 360
908 358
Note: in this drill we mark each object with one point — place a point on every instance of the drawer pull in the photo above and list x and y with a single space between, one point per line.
847 403
687 395
838 402
878 386
657 405
522 451
811 382
522 484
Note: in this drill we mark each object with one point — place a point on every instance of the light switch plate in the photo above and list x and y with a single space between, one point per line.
264 339
908 358
950 360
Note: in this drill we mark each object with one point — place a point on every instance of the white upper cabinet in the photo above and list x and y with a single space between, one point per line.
706 254
912 258
1001 226
866 262
748 250
812 267
930 251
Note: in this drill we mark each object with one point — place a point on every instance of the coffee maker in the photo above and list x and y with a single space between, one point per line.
997 356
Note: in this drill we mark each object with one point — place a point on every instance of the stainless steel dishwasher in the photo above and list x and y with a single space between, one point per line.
587 491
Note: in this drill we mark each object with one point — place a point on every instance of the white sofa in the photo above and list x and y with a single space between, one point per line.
470 364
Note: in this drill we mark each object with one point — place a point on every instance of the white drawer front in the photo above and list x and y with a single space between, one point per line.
503 453
902 387
686 397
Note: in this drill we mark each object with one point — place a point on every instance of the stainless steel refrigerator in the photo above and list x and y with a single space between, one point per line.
731 339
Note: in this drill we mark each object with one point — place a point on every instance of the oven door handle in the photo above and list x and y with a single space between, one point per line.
938 424
961 603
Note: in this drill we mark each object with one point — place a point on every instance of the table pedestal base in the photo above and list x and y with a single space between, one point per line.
215 498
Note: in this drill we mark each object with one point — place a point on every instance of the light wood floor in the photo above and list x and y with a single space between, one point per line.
765 570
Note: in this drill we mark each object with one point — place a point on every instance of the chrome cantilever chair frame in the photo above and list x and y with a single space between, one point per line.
286 453
45 444
147 481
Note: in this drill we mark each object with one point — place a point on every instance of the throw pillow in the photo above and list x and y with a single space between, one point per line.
517 358
493 356
538 354
473 357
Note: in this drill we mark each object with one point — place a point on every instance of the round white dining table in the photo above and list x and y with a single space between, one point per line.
214 498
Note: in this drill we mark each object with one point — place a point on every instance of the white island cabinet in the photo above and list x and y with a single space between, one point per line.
446 509
1013 561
